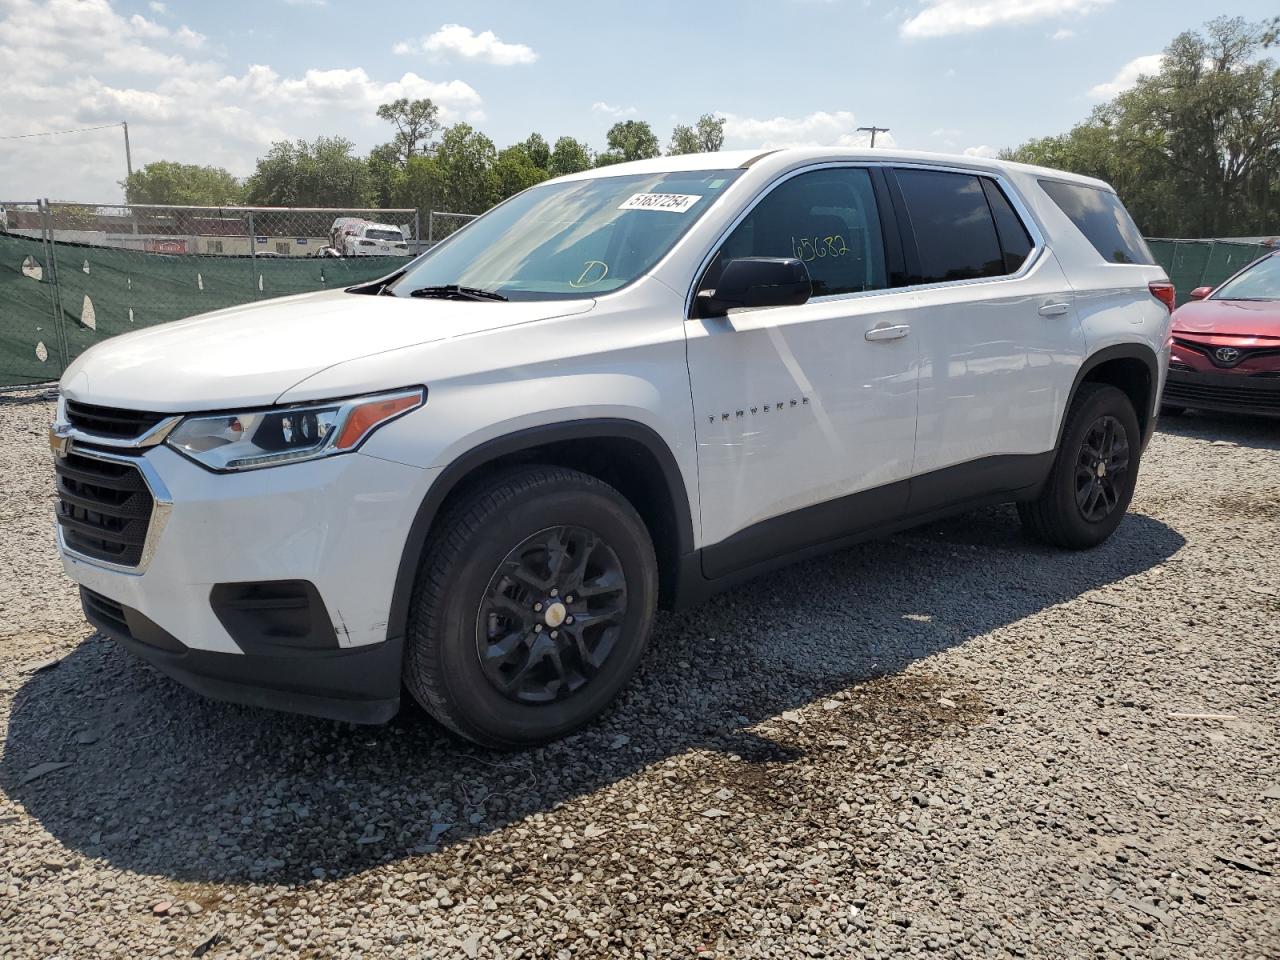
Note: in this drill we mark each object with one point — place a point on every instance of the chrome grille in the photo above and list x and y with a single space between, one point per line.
110 421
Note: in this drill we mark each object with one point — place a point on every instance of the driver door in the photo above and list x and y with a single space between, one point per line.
805 416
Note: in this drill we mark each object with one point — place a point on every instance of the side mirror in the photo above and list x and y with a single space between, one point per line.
1199 293
757 282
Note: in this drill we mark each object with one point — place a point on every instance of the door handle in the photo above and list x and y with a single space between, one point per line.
1054 309
896 332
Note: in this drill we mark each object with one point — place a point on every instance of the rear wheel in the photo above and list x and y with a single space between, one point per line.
533 607
1094 472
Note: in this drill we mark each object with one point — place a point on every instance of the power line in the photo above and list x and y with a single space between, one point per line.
55 133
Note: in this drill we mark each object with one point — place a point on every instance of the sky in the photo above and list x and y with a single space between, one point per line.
218 82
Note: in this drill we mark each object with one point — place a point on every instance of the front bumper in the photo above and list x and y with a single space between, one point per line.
335 526
1223 392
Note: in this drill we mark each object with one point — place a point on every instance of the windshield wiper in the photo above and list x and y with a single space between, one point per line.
452 291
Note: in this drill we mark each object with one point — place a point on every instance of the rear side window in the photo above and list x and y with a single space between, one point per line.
1103 220
826 218
954 230
1015 242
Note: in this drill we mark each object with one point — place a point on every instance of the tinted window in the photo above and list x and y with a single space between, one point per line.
828 219
955 234
1102 218
1015 242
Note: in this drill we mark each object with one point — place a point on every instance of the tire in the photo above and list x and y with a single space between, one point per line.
479 656
1168 411
1080 506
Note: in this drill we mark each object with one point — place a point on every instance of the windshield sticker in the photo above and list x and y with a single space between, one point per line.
670 202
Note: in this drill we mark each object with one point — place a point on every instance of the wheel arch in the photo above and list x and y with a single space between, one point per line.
1130 367
626 454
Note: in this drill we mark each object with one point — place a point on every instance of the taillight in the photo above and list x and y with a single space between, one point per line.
1163 291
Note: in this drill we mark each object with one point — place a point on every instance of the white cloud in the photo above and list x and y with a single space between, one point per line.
609 110
307 3
1062 34
818 129
941 18
456 40
987 153
1128 76
76 63
157 7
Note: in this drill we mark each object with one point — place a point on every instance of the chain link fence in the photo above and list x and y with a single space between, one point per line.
72 274
441 223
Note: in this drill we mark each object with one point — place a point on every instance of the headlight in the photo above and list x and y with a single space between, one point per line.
266 438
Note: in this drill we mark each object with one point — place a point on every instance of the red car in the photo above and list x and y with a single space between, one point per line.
1226 345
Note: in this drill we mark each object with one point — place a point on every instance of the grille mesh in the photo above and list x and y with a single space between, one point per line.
104 508
110 421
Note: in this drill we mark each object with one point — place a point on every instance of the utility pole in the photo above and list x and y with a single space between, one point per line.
873 131
128 155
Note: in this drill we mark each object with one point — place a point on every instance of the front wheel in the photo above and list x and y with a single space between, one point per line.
1094 471
533 607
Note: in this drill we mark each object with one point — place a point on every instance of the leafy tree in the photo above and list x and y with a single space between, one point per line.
465 159
182 183
569 156
416 123
710 130
515 170
684 139
1193 149
539 153
322 173
632 140
384 163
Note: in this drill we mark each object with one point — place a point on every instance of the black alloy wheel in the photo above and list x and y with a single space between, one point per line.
1101 465
552 615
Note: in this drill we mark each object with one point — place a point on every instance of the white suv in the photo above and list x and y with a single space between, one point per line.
624 388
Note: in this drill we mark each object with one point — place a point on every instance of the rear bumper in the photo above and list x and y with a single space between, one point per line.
356 684
1223 392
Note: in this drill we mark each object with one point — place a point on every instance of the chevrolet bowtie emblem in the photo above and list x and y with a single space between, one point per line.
60 440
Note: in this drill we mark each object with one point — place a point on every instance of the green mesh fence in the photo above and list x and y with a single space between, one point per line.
105 291
1202 263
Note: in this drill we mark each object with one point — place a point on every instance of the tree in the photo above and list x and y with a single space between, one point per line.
683 140
568 156
1193 148
384 163
182 183
710 130
515 170
464 160
707 136
539 153
416 123
632 140
322 173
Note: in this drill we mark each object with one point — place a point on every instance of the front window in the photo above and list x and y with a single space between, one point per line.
581 238
1258 282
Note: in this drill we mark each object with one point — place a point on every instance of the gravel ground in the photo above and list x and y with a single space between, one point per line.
951 741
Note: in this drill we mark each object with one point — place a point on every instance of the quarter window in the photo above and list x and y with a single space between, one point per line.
954 230
826 218
1103 220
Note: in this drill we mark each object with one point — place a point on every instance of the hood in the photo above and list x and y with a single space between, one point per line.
1235 318
251 354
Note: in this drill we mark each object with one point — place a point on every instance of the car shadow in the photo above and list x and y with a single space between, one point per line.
163 782
1242 429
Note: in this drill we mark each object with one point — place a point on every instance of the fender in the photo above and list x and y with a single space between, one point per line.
513 443
1119 351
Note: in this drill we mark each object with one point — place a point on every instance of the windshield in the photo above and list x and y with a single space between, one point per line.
1259 282
375 234
575 239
